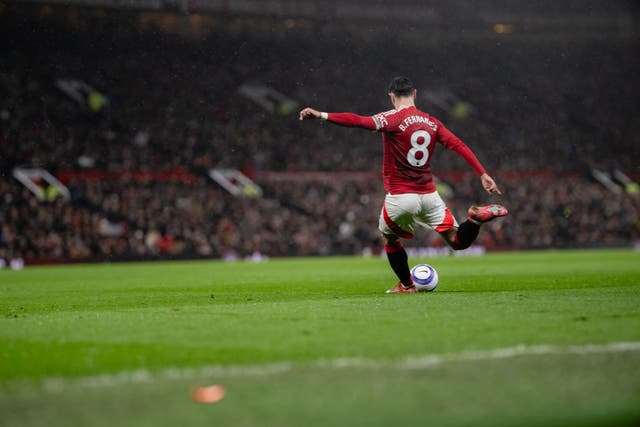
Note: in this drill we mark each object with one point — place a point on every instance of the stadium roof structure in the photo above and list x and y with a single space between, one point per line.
400 11
569 19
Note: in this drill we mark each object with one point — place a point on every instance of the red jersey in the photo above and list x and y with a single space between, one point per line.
409 137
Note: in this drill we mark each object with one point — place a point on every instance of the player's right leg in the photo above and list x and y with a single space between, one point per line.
482 214
463 236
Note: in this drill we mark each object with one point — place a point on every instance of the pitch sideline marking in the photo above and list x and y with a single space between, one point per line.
142 376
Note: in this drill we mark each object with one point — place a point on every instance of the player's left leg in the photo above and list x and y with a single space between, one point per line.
396 220
399 262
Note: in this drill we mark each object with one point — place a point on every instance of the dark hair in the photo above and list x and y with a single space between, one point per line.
401 86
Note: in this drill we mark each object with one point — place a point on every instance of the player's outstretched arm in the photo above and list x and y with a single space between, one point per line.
309 113
341 119
489 184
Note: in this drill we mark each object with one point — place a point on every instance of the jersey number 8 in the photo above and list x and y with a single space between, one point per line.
420 141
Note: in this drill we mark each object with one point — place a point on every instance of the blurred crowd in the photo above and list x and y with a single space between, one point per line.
530 112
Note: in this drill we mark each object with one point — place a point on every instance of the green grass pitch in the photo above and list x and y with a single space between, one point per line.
526 339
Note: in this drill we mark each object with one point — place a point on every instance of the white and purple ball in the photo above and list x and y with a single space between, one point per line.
424 277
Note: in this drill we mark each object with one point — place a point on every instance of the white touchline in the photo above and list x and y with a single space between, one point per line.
142 376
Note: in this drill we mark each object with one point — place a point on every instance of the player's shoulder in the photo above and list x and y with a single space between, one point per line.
384 119
391 116
407 115
386 114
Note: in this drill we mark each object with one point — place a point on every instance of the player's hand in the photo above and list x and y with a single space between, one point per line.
309 113
489 184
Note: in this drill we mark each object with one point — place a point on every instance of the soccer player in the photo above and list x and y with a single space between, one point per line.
409 136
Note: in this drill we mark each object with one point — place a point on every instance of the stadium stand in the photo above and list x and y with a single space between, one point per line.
131 121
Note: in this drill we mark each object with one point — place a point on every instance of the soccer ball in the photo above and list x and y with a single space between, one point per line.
424 277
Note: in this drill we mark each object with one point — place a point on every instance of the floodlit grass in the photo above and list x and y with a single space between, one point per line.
316 342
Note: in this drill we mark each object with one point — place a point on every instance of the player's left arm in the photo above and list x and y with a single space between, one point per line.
452 142
342 119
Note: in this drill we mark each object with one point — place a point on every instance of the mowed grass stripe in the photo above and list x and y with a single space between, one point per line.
381 326
593 389
58 384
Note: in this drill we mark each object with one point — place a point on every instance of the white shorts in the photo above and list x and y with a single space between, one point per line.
400 212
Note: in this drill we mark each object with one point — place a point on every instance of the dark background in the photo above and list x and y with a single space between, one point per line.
544 92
